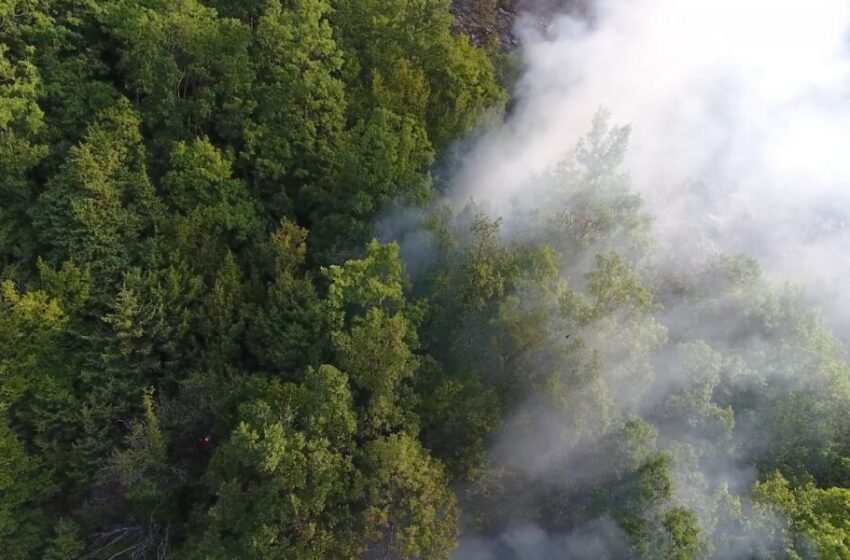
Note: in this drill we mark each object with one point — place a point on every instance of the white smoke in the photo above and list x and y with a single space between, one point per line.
740 116
740 142
601 540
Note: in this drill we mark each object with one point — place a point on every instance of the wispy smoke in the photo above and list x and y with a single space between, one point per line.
601 540
740 116
740 143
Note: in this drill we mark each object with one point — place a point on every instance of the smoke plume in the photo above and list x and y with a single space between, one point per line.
739 116
740 125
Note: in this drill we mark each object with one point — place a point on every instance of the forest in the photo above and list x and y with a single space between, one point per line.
213 345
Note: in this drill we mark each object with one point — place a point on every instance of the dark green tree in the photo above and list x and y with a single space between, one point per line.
100 211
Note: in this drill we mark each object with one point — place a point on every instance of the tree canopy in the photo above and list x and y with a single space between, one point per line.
206 352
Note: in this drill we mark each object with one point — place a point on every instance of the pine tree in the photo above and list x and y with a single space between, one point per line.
101 211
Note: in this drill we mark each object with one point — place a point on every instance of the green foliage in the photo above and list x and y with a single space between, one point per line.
29 325
300 119
188 69
373 282
374 335
199 186
285 477
67 543
289 330
376 35
817 517
202 355
457 415
410 512
383 159
22 483
682 526
589 206
376 353
21 124
100 209
142 467
174 176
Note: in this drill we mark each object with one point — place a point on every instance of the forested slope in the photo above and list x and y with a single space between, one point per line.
204 352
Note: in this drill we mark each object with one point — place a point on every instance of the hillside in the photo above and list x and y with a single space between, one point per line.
288 280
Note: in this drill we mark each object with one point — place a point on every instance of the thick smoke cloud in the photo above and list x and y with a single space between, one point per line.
740 116
740 143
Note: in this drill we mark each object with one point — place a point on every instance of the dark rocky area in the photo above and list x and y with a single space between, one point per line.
484 20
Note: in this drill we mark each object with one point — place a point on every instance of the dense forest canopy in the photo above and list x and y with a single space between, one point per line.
209 351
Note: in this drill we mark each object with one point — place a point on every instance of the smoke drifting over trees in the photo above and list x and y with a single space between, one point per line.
738 117
738 127
600 318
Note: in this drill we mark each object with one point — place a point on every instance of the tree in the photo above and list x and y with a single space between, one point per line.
410 512
682 527
373 333
100 211
21 125
23 524
67 543
284 480
222 318
289 330
377 35
30 324
383 159
199 187
817 517
588 205
458 414
147 484
297 131
188 69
